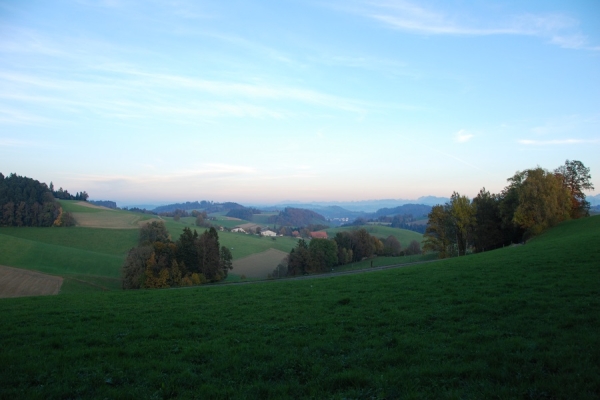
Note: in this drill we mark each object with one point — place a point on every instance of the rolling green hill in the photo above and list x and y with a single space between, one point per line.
518 322
90 257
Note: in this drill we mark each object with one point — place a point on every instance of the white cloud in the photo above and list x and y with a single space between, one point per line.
462 136
558 29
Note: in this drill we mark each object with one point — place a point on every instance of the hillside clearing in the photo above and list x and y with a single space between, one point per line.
16 282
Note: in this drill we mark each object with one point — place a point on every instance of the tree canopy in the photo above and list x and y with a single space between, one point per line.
534 200
158 262
26 202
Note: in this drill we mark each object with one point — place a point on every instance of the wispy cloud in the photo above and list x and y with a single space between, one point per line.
407 16
12 142
462 136
556 142
18 117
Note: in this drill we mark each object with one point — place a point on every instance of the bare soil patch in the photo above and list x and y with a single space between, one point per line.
15 282
258 265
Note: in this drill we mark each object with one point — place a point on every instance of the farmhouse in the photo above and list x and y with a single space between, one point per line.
318 235
238 230
268 233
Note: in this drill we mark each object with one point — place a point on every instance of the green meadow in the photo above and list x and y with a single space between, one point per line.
240 244
518 322
88 258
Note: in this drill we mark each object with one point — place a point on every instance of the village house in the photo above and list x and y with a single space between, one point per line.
318 235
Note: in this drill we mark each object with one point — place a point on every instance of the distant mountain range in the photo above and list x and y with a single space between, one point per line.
594 200
329 209
363 206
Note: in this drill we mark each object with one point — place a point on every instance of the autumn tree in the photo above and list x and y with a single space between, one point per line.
543 201
462 218
438 233
154 231
413 248
576 178
298 260
487 232
391 246
450 226
322 255
226 260
134 267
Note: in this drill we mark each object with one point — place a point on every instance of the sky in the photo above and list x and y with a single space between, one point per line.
145 102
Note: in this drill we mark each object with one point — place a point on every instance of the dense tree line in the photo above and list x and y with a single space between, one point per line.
405 221
534 200
296 217
27 202
140 210
208 206
405 209
302 231
104 203
158 262
245 213
65 195
321 255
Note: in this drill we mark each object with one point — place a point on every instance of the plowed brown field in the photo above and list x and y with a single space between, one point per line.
15 282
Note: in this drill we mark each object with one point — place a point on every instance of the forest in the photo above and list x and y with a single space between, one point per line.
296 217
27 202
159 262
534 200
321 255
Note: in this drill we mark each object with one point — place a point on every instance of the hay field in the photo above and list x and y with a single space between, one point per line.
258 265
110 220
91 216
16 282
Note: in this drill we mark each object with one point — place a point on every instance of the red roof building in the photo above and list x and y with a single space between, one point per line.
318 235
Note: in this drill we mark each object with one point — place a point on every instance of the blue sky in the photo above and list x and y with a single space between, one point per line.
264 101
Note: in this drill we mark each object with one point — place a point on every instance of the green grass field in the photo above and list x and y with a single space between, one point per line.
241 245
88 258
518 322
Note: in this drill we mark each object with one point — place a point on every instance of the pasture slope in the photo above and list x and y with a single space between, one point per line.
518 322
89 256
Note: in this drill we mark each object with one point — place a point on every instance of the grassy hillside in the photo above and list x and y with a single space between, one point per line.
88 258
519 322
90 216
241 245
404 236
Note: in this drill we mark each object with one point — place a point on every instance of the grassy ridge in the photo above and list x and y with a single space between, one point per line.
519 322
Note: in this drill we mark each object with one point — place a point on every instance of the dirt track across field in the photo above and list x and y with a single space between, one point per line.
15 282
